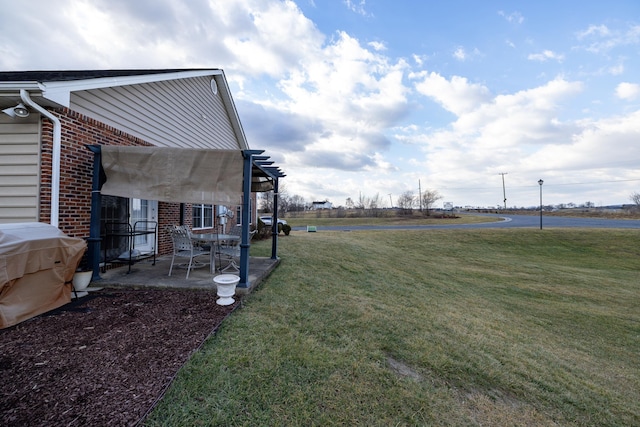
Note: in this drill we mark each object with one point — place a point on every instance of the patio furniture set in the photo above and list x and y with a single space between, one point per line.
220 247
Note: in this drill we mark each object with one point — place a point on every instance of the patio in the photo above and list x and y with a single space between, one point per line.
144 274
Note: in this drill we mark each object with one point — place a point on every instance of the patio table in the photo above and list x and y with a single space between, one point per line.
214 238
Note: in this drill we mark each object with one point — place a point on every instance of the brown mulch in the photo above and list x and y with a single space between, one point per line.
104 359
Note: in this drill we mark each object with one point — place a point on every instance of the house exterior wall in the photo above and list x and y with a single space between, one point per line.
19 168
179 111
76 173
182 113
321 205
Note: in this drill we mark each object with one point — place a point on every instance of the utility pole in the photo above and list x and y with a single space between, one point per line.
420 195
504 191
390 201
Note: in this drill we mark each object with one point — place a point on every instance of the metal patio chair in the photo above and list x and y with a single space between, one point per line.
183 246
231 250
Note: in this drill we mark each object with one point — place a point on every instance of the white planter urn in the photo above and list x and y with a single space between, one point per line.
81 280
226 287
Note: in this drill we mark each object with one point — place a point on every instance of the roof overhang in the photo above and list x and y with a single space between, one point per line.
57 89
54 88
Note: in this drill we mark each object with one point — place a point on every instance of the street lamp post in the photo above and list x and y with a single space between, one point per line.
540 182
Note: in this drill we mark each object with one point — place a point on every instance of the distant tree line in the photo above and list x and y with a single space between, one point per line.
406 204
370 206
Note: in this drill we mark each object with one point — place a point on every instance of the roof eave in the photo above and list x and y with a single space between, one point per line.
60 91
231 107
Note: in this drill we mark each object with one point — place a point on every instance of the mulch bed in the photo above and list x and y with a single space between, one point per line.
105 359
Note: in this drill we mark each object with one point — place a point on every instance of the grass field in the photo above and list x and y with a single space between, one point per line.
513 327
324 218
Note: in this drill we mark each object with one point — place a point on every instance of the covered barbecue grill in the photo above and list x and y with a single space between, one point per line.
37 263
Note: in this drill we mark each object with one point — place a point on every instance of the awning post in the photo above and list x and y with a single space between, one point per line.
274 221
246 206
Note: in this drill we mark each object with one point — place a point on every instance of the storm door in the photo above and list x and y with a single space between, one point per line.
143 212
120 214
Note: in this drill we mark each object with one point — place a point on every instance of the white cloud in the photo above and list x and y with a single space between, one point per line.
248 37
456 95
594 30
377 46
546 55
616 70
507 132
419 60
514 17
601 39
357 7
460 54
329 105
590 148
628 91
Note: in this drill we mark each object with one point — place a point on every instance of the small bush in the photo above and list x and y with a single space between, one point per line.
286 229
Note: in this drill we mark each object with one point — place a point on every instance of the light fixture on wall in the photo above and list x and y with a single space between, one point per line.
18 111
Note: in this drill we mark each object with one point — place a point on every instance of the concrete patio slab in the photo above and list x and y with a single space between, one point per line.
145 274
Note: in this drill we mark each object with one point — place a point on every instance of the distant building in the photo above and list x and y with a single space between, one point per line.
321 205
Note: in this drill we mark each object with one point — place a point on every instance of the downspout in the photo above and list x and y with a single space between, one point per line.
93 251
55 159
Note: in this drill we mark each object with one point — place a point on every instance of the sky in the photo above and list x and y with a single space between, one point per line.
363 98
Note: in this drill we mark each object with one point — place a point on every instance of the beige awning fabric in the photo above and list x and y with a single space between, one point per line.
173 174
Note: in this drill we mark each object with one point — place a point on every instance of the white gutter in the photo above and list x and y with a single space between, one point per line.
55 162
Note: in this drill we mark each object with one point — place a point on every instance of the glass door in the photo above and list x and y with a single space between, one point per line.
144 210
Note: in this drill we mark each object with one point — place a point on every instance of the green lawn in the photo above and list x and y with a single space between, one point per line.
515 327
322 218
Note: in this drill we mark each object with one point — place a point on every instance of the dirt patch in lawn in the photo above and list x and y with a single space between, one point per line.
104 359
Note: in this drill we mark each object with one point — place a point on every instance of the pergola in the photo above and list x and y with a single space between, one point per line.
179 175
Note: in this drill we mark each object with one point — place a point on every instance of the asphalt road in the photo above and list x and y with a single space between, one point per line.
502 221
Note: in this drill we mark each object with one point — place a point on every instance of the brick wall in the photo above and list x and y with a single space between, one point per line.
76 173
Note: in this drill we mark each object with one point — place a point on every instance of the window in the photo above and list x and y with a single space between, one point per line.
239 214
202 216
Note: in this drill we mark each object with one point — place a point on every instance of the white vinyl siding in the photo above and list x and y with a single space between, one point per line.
182 113
19 169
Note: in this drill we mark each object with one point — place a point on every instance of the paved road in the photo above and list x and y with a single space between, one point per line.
502 221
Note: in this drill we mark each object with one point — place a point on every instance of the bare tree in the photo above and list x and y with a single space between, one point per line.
283 198
349 203
266 201
373 204
266 204
429 197
296 203
406 201
635 198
